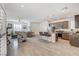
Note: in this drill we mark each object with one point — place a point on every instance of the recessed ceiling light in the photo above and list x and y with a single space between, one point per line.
22 6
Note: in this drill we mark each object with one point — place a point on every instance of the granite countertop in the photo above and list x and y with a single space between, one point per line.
63 30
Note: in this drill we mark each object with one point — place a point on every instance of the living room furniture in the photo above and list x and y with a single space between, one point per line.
45 36
22 36
48 36
41 34
30 34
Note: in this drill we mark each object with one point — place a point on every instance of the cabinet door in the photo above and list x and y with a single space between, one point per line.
77 21
65 25
65 36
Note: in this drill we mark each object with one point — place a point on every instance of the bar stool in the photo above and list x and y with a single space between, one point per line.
48 36
45 35
41 34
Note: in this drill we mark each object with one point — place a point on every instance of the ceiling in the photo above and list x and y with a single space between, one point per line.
39 11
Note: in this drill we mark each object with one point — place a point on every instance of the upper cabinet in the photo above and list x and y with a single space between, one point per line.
60 24
77 21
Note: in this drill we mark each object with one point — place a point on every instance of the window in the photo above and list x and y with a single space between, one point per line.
17 27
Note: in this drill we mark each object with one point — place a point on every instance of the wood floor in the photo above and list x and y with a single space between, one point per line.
36 47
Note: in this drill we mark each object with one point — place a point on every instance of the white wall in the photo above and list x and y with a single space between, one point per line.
71 20
35 26
44 26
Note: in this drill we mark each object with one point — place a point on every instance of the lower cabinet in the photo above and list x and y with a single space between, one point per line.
65 36
74 40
